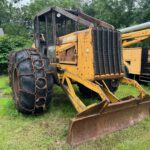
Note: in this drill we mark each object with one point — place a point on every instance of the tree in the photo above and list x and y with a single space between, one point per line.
120 13
116 12
3 12
142 11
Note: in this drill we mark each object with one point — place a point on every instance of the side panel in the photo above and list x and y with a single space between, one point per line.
132 58
85 55
80 52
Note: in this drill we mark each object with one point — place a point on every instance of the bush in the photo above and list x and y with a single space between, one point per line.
7 44
15 29
19 41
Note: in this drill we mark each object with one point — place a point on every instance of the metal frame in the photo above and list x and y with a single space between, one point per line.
101 89
135 37
77 16
98 22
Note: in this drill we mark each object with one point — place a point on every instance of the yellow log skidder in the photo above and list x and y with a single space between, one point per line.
74 48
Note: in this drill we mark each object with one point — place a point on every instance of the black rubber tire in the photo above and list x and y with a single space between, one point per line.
88 93
126 72
112 84
31 81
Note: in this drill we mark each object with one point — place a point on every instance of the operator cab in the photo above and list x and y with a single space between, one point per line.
49 25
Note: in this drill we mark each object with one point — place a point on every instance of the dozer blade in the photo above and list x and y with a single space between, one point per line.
115 117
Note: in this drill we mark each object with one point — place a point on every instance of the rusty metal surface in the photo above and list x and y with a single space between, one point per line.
108 76
30 81
68 55
67 14
93 110
115 117
77 16
96 21
73 17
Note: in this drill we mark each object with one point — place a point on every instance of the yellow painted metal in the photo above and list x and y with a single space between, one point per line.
65 47
109 94
135 37
101 89
90 85
84 53
132 58
148 56
83 64
68 88
81 70
136 40
134 84
69 38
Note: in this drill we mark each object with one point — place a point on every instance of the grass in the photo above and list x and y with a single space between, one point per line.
4 85
49 131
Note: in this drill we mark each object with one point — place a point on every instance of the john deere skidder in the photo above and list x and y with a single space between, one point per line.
74 48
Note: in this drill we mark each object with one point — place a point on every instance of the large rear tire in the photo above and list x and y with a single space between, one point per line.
111 83
86 92
126 72
31 81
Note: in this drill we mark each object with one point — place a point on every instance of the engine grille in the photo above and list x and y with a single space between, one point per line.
107 51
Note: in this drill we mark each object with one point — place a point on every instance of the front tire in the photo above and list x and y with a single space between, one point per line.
31 83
